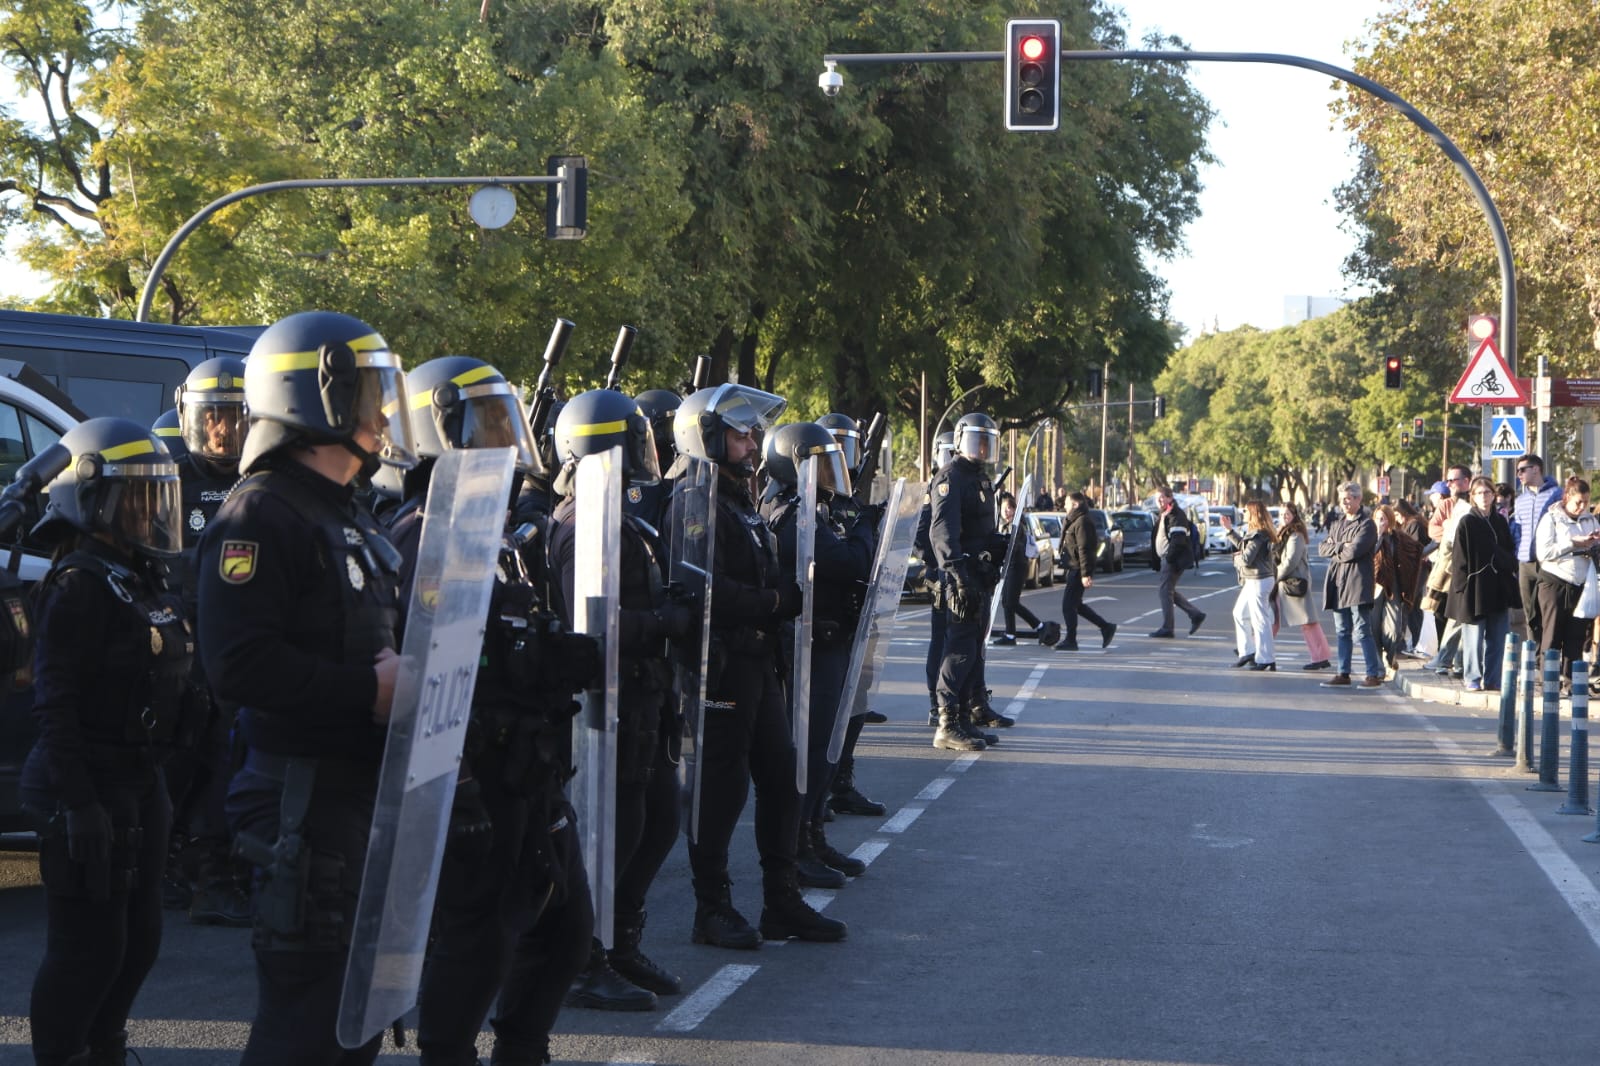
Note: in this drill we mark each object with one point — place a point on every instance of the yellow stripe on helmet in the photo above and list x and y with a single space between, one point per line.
123 451
595 429
477 373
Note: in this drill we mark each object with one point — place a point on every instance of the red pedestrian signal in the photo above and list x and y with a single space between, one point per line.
1033 74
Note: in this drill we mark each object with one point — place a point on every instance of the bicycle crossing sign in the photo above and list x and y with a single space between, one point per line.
1489 380
1508 436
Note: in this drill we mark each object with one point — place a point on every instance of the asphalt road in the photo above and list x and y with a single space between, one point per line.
1167 861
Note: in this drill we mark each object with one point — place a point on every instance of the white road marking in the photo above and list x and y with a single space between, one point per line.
961 764
901 820
935 788
699 1004
869 850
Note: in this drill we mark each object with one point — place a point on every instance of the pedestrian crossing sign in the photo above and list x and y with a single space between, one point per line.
1508 436
1489 380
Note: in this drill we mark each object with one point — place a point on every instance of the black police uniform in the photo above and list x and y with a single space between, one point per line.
846 512
298 595
962 533
842 565
111 664
198 779
939 619
647 784
746 728
512 916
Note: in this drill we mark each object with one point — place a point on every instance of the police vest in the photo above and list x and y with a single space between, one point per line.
152 701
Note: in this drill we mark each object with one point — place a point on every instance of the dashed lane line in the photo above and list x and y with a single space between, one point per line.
699 1004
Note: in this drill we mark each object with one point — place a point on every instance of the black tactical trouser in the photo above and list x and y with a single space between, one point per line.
830 662
299 982
961 669
747 740
1073 607
512 917
1011 604
939 620
102 933
647 828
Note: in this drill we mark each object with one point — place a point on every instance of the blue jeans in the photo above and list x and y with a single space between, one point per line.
1483 643
1344 619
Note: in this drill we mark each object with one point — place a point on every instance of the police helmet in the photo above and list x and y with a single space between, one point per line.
790 445
978 438
698 426
211 415
319 377
601 419
167 428
460 402
120 481
847 431
659 406
944 446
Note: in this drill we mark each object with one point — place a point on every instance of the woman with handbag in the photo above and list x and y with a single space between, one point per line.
1252 612
1564 542
1294 586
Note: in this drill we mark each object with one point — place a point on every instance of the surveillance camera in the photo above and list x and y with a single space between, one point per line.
830 81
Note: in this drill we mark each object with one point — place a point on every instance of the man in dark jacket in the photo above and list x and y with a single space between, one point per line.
1080 541
1176 551
1352 539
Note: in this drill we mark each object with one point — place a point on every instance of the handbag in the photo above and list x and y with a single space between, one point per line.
1589 600
1295 586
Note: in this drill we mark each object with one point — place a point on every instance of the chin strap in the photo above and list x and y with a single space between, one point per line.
369 460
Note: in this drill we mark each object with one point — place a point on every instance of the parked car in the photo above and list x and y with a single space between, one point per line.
1045 528
1138 536
1217 537
1109 556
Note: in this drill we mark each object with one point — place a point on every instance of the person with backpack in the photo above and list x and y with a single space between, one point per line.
1177 550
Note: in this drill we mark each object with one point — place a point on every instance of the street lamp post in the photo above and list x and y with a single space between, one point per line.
942 418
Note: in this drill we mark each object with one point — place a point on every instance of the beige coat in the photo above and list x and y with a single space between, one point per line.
1296 562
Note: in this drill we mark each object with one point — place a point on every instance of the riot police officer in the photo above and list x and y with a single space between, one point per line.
746 730
298 609
649 502
842 564
211 429
111 670
968 552
647 785
512 914
944 447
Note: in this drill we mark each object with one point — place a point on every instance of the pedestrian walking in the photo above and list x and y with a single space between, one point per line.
1177 550
1080 540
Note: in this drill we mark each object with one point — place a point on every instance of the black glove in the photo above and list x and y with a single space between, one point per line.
676 620
960 594
790 600
89 834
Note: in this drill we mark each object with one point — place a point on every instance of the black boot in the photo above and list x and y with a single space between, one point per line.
846 799
599 987
716 922
112 1051
809 868
785 915
933 710
985 715
635 965
966 722
832 856
951 736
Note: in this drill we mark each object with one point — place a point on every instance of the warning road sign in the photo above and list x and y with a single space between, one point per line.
1488 380
1508 436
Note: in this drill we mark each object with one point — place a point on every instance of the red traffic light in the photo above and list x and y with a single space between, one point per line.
1482 327
1032 48
1392 364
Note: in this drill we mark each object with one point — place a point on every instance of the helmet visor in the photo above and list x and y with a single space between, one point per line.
979 443
744 409
833 473
850 441
215 426
143 509
641 464
381 408
492 417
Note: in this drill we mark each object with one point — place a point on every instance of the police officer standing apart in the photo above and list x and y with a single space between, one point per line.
211 428
944 448
746 729
647 784
842 566
111 668
512 914
298 609
967 549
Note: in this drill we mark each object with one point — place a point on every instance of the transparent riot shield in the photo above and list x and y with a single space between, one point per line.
596 602
454 576
805 558
1017 526
692 532
876 625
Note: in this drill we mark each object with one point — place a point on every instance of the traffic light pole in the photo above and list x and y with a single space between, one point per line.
831 84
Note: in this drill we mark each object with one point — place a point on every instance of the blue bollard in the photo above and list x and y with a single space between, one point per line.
1530 665
1508 699
1550 727
1578 760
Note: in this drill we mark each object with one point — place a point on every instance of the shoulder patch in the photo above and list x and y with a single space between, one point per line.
237 563
944 488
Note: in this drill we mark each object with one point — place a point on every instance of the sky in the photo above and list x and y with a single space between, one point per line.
1268 227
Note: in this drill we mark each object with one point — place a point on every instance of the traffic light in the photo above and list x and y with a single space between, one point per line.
1161 406
1405 440
1033 74
1416 428
1096 382
1391 371
1479 329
